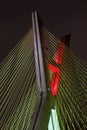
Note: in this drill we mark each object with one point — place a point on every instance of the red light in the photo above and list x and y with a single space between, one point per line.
55 84
59 54
55 79
55 70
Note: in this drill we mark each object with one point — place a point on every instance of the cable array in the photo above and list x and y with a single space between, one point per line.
71 99
18 89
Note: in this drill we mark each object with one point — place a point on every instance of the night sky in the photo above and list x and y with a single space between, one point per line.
59 16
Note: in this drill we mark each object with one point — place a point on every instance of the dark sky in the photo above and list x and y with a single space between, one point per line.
59 16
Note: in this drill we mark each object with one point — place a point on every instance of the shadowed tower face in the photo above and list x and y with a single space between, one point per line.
29 104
